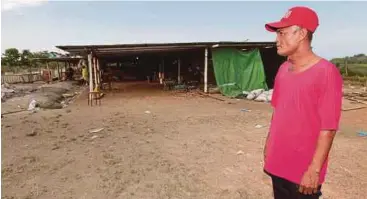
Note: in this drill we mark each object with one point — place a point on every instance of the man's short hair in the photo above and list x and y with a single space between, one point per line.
309 35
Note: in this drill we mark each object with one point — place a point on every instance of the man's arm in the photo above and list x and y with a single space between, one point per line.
267 138
329 110
310 180
324 144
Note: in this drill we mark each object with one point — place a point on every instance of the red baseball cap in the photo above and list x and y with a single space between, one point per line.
301 16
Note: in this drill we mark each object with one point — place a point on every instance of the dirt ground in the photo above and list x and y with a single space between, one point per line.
159 145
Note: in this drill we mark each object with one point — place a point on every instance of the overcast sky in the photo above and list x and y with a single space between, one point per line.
41 25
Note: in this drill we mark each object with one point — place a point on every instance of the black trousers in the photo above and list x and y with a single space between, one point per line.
284 189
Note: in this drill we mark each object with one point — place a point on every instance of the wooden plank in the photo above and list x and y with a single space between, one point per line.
355 100
355 108
210 96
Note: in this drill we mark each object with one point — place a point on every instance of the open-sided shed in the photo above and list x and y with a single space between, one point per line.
166 60
62 63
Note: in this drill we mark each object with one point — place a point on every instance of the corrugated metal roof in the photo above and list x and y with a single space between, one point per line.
61 59
121 49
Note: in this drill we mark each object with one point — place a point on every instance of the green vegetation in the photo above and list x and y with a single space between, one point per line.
13 60
356 59
353 68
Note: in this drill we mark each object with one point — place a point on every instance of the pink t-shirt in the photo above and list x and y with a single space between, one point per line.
304 104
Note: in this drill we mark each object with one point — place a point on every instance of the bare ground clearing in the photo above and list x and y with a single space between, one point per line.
185 146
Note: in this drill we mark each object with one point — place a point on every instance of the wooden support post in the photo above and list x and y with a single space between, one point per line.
98 73
346 66
206 71
179 71
90 73
162 70
31 74
95 72
48 72
65 66
161 78
69 65
58 70
160 74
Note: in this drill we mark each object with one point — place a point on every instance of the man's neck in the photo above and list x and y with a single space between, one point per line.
301 58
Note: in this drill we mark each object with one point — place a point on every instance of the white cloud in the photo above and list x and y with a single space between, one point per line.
8 5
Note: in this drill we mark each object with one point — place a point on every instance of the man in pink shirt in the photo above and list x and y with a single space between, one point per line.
307 101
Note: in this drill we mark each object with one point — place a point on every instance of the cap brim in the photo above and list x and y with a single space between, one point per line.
272 27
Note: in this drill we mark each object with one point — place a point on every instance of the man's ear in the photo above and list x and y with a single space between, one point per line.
303 34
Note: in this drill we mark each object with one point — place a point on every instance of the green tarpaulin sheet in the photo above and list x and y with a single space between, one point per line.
237 71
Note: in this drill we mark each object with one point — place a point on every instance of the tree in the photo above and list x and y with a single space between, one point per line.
360 55
11 57
40 54
25 58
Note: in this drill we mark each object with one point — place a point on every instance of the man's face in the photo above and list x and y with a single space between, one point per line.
288 40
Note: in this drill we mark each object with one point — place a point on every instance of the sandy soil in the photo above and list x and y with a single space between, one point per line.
156 145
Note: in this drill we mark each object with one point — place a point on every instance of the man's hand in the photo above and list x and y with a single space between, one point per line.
310 179
310 182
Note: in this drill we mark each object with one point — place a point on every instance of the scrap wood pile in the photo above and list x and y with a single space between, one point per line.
357 96
354 99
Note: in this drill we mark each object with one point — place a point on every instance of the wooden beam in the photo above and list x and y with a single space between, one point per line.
355 108
206 71
355 100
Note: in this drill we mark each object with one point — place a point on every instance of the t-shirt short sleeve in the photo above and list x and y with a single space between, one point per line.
330 98
275 95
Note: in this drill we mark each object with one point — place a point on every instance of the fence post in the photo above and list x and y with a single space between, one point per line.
346 65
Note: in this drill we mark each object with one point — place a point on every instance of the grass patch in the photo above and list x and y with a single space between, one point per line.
359 70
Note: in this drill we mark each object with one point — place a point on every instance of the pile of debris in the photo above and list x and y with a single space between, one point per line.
54 96
9 91
259 95
358 96
354 98
6 92
44 96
